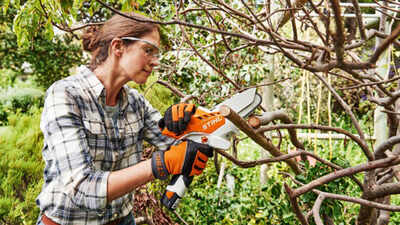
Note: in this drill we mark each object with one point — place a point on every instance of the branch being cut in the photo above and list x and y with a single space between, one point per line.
257 121
262 141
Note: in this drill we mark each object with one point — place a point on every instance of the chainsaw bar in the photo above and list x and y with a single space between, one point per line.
243 103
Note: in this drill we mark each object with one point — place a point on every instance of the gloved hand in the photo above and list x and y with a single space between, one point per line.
187 158
177 117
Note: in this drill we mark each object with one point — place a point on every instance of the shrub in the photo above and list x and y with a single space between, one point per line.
13 100
21 168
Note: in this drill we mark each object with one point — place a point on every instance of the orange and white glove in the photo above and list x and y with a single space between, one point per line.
187 158
177 117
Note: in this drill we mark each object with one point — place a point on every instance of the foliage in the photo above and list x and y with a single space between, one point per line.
331 208
21 168
159 96
13 100
250 204
48 58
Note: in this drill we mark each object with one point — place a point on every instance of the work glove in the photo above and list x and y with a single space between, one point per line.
177 117
187 158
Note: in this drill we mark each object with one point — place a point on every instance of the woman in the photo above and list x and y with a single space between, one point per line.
94 125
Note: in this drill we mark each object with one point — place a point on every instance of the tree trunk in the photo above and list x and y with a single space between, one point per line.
367 215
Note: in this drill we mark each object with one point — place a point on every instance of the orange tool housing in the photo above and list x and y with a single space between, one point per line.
201 121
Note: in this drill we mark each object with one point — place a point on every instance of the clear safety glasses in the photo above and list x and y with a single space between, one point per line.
151 50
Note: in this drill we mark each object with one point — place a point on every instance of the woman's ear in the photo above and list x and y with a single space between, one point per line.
117 47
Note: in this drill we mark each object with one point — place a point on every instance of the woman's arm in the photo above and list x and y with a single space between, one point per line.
126 180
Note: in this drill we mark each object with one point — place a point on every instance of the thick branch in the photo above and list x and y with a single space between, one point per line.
262 141
384 45
316 208
339 38
388 144
295 205
348 198
346 172
382 190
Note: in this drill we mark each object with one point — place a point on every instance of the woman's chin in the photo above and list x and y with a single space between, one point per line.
141 78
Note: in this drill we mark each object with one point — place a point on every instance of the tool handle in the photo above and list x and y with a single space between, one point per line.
175 191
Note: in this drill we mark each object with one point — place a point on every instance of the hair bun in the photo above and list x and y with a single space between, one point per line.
89 38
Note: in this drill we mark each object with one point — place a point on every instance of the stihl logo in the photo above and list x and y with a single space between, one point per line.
211 123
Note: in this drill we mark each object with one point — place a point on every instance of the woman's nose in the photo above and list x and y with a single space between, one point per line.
155 62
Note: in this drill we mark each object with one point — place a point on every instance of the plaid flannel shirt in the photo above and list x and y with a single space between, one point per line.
81 148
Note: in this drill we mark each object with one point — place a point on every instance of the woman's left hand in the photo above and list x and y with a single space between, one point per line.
177 117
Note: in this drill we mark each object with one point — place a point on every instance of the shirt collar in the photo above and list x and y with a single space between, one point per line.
97 88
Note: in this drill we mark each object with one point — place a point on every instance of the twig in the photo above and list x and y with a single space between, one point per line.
371 83
173 89
359 141
179 217
360 22
267 84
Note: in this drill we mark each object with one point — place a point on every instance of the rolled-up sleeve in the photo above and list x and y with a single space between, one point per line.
152 133
67 145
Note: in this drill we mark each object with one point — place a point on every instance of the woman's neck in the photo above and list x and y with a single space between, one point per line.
112 81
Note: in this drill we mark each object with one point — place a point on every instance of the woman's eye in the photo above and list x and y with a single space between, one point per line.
149 51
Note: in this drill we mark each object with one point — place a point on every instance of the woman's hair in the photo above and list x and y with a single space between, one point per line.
97 39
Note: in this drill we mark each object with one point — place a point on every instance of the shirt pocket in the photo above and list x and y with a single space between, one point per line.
97 139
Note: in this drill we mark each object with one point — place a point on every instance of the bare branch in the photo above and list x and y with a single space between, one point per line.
360 142
316 208
346 108
339 37
384 45
295 205
346 172
173 89
360 22
262 141
371 83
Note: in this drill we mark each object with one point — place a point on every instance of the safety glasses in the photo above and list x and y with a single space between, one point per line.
151 50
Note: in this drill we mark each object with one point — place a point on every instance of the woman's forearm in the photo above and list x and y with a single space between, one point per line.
126 180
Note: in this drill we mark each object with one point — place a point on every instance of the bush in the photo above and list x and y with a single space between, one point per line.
15 100
7 78
21 168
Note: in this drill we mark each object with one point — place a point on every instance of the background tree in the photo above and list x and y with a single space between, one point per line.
48 57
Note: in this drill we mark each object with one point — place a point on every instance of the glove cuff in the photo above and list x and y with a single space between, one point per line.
158 166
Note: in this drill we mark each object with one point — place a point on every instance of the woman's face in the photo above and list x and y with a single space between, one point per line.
138 59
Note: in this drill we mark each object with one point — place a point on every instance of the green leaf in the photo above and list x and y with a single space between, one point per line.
5 5
49 32
126 6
